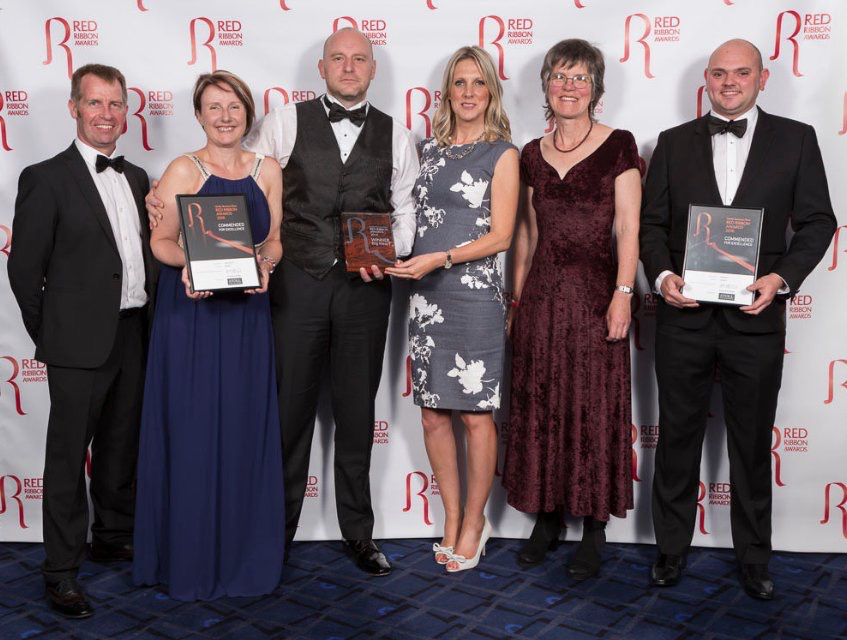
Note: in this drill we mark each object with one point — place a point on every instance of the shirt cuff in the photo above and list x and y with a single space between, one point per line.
404 238
657 286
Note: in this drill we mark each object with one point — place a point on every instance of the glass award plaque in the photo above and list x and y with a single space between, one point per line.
368 240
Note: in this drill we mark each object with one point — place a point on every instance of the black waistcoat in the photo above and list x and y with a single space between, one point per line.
317 186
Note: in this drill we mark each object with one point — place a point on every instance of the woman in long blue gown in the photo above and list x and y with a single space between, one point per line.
210 509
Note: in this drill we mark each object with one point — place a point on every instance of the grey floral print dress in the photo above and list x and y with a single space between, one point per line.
457 316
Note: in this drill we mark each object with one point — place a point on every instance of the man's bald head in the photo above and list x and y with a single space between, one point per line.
734 78
348 66
739 43
348 30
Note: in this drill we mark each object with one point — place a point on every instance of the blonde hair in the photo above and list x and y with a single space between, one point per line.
496 121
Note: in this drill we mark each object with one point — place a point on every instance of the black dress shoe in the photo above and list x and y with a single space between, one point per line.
589 554
544 538
368 557
66 598
757 581
101 552
667 570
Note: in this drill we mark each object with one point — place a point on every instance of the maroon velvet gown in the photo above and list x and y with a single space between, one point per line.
569 440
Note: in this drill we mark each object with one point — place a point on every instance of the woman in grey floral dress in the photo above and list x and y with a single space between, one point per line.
466 194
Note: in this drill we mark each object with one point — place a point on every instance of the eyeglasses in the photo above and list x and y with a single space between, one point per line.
580 81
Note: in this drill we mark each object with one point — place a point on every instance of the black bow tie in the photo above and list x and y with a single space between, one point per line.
735 127
103 162
338 113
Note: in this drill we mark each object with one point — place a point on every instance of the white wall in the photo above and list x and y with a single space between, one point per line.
274 45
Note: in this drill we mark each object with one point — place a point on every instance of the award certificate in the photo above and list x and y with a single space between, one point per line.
721 254
367 240
218 242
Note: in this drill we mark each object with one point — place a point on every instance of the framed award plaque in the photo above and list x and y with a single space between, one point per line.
721 254
218 242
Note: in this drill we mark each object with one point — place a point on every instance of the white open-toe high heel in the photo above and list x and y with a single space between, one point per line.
463 563
443 555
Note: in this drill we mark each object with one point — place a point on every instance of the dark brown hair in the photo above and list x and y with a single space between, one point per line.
102 71
568 53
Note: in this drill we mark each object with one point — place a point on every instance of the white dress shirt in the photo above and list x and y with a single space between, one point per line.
729 155
275 134
120 206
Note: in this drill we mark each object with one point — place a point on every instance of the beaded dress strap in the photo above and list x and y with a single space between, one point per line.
199 165
257 167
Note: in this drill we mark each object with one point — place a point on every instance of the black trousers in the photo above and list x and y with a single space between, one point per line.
750 371
344 320
101 407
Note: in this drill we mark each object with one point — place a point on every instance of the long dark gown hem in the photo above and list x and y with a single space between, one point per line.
570 421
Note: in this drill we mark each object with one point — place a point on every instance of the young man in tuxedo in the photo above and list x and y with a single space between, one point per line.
737 155
82 273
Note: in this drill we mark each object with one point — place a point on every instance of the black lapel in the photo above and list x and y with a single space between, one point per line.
84 182
759 148
703 156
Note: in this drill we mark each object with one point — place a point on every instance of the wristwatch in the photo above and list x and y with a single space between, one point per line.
623 288
449 261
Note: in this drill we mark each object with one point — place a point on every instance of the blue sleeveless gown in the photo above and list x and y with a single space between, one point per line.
209 518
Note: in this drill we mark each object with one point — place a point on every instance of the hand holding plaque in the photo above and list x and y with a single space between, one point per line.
368 240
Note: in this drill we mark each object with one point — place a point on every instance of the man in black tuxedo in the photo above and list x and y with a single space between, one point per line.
82 273
741 156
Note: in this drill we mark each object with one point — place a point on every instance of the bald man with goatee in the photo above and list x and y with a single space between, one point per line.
338 153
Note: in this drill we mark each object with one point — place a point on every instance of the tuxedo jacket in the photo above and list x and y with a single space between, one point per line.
64 266
784 174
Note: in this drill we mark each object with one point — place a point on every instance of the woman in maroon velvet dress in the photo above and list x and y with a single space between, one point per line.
569 441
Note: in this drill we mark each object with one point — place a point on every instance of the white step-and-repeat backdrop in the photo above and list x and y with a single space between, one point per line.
655 50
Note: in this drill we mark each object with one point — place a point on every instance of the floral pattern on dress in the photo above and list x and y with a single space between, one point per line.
492 401
485 273
470 375
421 315
434 216
456 355
428 398
472 190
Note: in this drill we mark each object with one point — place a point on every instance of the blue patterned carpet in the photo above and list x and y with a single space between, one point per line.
325 597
